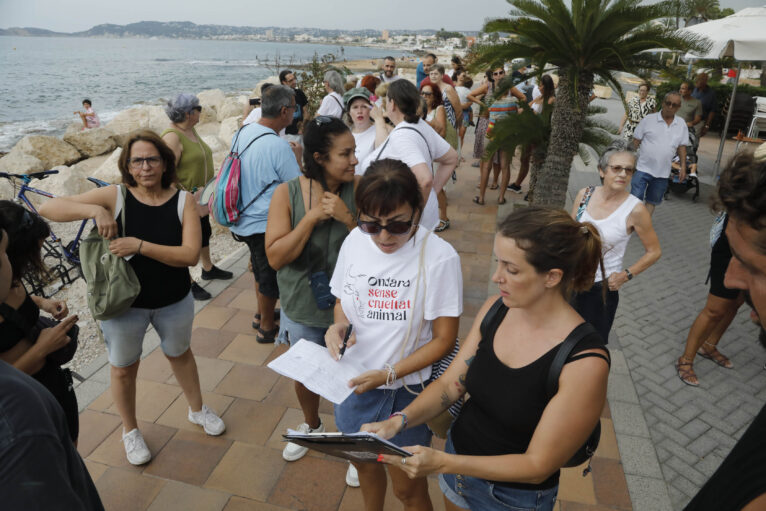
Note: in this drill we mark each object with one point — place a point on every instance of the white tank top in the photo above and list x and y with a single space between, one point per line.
614 235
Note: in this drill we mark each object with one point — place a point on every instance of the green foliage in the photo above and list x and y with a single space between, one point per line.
311 80
722 95
445 34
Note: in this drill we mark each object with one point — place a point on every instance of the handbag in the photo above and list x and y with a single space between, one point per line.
32 332
112 285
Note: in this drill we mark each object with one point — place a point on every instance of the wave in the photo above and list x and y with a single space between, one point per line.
228 63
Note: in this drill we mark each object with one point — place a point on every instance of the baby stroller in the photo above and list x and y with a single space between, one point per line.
691 180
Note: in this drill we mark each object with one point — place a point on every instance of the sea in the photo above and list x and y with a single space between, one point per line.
43 80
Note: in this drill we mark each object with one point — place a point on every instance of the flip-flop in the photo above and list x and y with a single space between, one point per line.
477 200
443 225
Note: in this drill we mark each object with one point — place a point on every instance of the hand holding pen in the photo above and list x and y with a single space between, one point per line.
338 338
345 341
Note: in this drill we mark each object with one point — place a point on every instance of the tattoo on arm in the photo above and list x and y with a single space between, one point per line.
468 361
446 401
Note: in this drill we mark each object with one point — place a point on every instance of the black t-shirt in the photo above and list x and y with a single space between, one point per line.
300 103
506 404
742 475
40 468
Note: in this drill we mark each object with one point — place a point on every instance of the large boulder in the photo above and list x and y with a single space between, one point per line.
109 171
49 150
92 142
69 181
228 128
207 114
274 80
208 129
151 117
218 159
212 99
232 107
17 162
73 128
214 143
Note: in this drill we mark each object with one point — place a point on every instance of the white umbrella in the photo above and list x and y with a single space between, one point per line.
741 36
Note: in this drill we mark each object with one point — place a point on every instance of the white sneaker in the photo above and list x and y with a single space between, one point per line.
352 476
294 452
208 419
135 447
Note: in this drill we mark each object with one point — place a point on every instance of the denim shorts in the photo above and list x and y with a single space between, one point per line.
648 188
472 493
377 405
124 335
291 332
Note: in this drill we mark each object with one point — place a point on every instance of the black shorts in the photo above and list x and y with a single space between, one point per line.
719 261
58 381
207 230
265 275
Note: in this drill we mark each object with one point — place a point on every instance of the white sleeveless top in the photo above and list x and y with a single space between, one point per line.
614 235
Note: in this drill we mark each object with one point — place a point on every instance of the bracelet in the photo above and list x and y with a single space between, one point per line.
390 374
630 275
139 247
404 419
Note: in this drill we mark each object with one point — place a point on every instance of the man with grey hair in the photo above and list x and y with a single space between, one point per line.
267 160
660 136
332 104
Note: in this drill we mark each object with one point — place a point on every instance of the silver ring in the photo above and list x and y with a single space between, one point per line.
404 461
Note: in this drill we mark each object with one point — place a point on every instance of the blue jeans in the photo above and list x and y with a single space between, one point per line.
291 332
648 188
124 335
480 494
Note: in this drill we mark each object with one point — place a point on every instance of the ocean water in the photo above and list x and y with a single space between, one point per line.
44 80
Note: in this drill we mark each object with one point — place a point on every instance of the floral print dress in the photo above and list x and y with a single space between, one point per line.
636 112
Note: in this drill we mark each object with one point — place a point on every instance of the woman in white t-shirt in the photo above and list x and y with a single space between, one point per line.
332 104
401 288
366 121
415 143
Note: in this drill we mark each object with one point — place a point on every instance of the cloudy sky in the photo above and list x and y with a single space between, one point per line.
77 15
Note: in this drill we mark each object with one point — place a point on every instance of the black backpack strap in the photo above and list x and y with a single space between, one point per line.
575 336
343 110
491 316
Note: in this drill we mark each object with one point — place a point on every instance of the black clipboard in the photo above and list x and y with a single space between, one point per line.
358 447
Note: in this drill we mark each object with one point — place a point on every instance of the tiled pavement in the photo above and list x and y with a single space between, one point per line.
243 469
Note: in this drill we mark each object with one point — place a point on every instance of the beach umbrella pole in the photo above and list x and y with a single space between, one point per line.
726 124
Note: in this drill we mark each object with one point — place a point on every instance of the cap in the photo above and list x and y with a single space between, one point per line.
356 92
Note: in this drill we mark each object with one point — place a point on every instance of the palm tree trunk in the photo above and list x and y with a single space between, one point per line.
566 131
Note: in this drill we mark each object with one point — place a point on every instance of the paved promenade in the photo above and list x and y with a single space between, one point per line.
243 469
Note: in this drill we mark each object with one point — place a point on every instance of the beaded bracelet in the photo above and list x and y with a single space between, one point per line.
404 419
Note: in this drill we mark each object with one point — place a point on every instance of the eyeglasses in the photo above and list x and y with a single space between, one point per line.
396 228
426 94
498 73
619 168
672 105
138 163
323 119
197 108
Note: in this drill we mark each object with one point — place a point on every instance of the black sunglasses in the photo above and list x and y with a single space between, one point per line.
396 228
323 119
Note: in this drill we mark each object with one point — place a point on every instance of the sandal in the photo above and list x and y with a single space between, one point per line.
477 200
686 375
715 355
494 186
501 200
443 225
257 319
266 336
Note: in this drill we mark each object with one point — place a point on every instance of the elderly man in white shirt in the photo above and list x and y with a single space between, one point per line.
660 136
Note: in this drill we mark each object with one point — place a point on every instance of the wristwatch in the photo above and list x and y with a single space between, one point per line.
630 275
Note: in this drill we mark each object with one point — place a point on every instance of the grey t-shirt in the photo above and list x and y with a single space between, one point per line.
690 108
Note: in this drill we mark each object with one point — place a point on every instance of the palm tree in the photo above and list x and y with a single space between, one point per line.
594 37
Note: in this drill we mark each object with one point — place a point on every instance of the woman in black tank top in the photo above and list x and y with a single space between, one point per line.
511 436
162 237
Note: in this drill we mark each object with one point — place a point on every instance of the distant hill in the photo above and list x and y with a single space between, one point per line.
189 30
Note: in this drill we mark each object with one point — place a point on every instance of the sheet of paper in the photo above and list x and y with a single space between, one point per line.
313 366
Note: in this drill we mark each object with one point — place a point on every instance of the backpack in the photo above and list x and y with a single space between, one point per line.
112 285
226 202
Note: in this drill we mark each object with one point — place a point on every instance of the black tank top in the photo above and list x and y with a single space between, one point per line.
506 403
161 285
11 334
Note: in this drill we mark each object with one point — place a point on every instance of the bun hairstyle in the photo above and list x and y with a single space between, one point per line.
406 96
318 138
386 185
26 231
551 239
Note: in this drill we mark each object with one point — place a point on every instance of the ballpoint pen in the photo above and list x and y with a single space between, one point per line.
345 341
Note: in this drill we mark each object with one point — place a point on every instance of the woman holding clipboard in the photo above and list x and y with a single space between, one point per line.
401 287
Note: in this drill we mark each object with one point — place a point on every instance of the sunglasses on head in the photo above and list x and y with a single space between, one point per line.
396 228
323 119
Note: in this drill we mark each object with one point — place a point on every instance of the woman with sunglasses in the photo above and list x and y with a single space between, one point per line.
436 116
309 217
194 168
401 288
161 239
617 215
26 233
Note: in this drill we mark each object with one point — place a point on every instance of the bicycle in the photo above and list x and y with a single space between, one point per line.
53 247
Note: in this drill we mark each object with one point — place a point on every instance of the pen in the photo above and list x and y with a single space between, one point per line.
345 341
